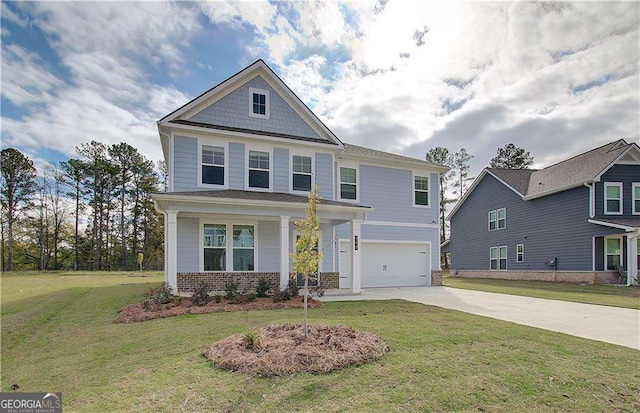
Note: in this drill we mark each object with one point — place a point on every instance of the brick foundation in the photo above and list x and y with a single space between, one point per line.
247 281
591 277
436 278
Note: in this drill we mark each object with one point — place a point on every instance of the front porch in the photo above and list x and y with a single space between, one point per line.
619 252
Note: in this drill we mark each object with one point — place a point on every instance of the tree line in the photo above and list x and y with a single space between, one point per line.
90 212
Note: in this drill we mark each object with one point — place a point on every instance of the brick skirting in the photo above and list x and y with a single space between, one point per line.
591 277
436 278
247 281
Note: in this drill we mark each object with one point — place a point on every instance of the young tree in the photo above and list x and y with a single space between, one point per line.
461 164
512 157
17 186
75 174
441 156
307 258
123 156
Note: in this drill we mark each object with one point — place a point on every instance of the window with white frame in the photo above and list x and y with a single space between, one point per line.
259 103
212 167
636 198
222 253
498 219
301 170
613 253
259 169
348 183
243 248
613 198
215 247
498 258
421 190
520 253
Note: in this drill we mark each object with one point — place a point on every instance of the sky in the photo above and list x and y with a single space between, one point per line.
557 78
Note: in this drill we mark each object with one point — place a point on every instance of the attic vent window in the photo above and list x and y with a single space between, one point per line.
259 103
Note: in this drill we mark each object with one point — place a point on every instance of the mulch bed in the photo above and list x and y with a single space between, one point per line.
136 312
282 350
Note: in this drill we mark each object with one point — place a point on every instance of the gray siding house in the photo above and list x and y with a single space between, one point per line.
242 158
575 221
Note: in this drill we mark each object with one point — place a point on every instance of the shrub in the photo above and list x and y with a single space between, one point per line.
293 288
250 297
280 296
200 295
231 291
217 297
251 340
158 296
264 286
320 288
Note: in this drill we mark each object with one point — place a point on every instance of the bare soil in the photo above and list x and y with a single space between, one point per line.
137 312
280 350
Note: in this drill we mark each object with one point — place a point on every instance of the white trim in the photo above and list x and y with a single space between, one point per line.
593 253
411 163
621 199
229 243
633 145
252 91
338 179
612 225
518 254
634 185
307 154
257 148
606 238
221 144
400 224
506 258
171 162
413 190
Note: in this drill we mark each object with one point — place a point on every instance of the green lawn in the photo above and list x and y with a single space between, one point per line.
614 296
58 335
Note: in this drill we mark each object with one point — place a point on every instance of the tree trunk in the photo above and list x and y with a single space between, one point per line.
75 259
10 242
124 244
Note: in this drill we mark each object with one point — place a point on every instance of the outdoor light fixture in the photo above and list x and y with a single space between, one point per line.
356 243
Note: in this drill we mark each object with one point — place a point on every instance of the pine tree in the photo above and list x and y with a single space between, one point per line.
512 157
461 164
441 156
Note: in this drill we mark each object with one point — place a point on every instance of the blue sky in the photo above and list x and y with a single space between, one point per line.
402 76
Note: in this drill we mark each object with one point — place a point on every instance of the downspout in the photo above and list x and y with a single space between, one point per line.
591 199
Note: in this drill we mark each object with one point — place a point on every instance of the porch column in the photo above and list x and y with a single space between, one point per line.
171 247
632 258
356 247
284 252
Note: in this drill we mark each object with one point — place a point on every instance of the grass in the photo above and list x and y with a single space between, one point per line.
58 335
614 296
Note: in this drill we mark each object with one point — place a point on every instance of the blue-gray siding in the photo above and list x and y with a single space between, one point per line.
627 174
188 244
281 170
185 168
324 174
548 227
233 111
268 246
236 165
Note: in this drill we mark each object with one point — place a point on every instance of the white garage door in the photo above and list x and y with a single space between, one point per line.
388 265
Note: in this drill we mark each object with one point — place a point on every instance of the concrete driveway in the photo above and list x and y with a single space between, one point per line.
609 324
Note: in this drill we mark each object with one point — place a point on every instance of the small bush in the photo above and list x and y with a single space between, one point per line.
264 286
251 340
217 297
156 297
250 297
231 291
280 296
320 288
200 295
293 289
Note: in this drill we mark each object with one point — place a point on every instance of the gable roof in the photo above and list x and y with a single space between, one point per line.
354 151
584 168
259 67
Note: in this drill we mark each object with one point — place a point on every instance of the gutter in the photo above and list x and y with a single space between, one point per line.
592 199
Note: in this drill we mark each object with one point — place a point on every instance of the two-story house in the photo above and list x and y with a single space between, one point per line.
575 221
242 158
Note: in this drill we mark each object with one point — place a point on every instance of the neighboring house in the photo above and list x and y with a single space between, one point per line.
575 221
242 158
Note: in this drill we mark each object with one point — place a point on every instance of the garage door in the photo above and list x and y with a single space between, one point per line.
388 265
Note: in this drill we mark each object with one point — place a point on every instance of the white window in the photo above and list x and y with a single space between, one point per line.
520 253
348 183
212 165
222 252
613 253
498 219
421 191
498 258
259 103
259 170
613 198
301 173
636 198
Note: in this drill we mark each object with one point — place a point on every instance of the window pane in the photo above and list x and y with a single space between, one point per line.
301 182
347 191
613 206
348 175
214 259
503 252
492 225
492 216
215 235
421 198
243 236
613 192
421 183
613 261
212 175
259 160
207 154
520 249
302 164
494 253
613 246
494 264
242 260
502 213
637 202
502 223
503 263
636 192
258 179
